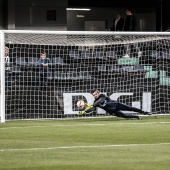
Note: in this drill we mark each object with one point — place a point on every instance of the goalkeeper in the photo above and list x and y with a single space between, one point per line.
111 106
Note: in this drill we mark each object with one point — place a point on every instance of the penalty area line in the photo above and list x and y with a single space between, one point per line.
77 147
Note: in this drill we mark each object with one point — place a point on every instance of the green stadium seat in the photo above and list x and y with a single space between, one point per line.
128 61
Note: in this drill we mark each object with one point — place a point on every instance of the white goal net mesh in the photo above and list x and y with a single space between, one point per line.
133 69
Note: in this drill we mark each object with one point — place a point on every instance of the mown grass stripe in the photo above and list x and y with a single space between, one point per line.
88 124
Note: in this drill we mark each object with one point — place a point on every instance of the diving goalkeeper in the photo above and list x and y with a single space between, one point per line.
111 106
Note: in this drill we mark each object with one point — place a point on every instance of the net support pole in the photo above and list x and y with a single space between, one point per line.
2 78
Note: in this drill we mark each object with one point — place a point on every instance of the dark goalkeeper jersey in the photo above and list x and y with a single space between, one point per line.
105 103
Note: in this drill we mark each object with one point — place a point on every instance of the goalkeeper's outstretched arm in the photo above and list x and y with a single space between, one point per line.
88 108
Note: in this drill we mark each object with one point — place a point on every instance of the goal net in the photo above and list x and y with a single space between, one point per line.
131 67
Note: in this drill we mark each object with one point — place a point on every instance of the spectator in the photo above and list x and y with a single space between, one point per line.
118 22
130 21
7 59
7 69
129 25
43 64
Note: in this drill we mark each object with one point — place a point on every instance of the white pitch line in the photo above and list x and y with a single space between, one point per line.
87 124
54 126
76 147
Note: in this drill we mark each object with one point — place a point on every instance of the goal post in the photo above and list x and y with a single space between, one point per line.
2 79
131 67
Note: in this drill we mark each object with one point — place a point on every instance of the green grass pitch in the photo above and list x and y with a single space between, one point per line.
86 144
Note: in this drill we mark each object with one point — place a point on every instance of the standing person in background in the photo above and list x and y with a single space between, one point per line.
129 25
118 22
130 21
7 59
7 69
43 64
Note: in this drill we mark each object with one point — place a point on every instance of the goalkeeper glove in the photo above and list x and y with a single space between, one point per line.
82 112
88 106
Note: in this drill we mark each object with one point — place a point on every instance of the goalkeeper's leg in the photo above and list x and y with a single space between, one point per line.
121 106
124 115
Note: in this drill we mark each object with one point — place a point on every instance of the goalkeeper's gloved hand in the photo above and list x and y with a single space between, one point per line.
88 106
82 112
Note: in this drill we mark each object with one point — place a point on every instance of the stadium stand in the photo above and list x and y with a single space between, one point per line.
58 61
31 61
21 61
